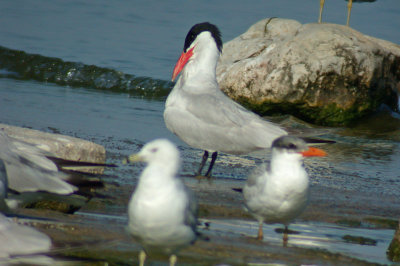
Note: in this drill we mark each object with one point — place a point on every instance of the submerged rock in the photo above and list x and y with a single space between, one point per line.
323 73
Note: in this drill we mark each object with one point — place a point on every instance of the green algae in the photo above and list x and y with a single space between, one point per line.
25 66
327 115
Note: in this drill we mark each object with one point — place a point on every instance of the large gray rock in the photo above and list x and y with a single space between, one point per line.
323 73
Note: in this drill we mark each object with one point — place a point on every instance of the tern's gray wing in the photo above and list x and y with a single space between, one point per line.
253 177
20 240
28 169
254 181
220 110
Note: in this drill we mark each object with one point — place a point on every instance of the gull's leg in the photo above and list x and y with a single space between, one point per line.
172 260
285 236
349 5
203 162
142 257
213 158
260 234
321 7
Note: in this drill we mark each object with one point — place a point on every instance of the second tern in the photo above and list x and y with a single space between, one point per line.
280 194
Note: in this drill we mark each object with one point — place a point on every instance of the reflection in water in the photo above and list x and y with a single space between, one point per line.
315 235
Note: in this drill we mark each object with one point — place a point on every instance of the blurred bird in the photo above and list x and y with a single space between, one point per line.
30 169
17 240
280 194
162 210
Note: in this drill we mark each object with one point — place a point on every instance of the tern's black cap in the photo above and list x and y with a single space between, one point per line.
199 28
290 143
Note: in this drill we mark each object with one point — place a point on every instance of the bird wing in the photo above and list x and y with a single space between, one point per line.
219 110
28 169
253 178
19 240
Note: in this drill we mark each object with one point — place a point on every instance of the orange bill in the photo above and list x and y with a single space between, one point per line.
313 152
181 63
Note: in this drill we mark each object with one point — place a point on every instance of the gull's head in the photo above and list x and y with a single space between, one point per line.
202 36
294 146
156 151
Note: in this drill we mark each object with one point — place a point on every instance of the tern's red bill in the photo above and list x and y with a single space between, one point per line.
182 62
313 152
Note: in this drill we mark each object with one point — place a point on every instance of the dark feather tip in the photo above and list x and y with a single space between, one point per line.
317 141
238 190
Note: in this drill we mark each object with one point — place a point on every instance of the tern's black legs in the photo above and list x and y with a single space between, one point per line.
213 158
203 162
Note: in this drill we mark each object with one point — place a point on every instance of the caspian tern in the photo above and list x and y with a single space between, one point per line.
200 114
162 210
280 194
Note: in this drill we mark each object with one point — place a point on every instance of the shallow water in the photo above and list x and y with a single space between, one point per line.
144 38
314 235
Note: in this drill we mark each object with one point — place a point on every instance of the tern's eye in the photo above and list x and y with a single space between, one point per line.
292 146
154 150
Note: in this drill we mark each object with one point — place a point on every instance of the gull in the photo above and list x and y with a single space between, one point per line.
280 194
200 114
162 210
